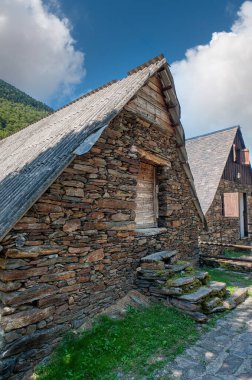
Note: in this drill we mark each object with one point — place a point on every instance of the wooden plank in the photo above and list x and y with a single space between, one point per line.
156 81
242 246
153 158
233 168
154 87
151 109
235 259
143 113
153 95
239 246
231 205
145 208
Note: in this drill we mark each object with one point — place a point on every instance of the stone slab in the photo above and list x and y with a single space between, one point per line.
212 303
185 305
217 287
158 256
182 281
175 268
166 291
202 276
197 296
240 295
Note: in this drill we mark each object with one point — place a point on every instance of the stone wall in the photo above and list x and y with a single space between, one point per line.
224 229
76 250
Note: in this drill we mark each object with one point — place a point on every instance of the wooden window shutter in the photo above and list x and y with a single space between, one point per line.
146 204
234 153
231 205
245 157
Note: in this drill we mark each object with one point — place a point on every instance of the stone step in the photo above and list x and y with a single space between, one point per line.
203 277
197 316
211 304
151 275
149 283
218 288
238 297
235 265
158 256
175 268
181 281
185 305
165 291
197 296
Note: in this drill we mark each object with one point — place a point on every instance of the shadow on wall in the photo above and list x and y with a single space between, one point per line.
21 189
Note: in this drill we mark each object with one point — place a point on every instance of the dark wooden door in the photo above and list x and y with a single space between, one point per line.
245 214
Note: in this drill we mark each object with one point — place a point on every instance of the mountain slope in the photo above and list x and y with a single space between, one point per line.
17 109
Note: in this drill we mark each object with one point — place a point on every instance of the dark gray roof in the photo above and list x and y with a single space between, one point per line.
207 155
34 157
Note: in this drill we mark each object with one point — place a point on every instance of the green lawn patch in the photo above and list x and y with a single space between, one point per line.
236 254
139 343
232 279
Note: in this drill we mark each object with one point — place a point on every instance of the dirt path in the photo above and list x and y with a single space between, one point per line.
224 353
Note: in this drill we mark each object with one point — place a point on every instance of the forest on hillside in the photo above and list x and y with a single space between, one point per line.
18 110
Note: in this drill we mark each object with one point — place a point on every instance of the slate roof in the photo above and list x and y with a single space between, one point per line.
33 158
208 155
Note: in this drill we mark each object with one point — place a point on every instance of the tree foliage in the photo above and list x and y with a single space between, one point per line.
17 110
9 92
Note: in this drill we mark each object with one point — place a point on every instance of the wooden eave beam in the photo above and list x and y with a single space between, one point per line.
148 156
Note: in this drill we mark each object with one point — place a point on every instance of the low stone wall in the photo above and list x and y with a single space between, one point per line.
224 229
76 250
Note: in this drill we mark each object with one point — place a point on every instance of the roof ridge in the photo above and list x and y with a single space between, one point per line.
146 64
89 93
133 71
214 132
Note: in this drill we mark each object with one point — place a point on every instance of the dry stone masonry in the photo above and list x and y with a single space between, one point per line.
76 251
176 282
220 228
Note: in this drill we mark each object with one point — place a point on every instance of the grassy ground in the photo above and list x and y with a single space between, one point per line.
232 279
139 343
236 254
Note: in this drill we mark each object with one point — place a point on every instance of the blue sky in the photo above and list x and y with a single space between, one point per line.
117 35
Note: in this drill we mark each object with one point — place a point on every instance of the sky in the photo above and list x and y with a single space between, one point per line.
56 50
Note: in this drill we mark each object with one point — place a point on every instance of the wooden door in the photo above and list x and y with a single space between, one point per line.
243 215
146 201
242 225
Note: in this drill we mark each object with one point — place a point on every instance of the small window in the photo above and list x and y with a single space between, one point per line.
231 205
245 157
146 200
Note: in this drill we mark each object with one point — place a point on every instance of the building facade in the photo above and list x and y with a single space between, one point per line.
222 172
97 185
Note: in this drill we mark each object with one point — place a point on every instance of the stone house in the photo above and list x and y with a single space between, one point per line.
223 179
84 194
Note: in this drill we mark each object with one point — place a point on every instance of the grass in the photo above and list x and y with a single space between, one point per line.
236 254
142 342
232 279
139 343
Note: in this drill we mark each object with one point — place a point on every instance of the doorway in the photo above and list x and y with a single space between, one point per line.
243 215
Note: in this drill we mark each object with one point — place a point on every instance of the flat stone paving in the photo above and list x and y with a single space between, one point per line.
223 353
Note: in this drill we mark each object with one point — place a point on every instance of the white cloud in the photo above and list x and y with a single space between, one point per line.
37 51
214 81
